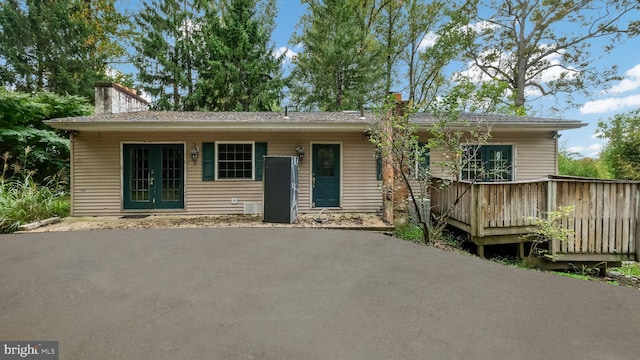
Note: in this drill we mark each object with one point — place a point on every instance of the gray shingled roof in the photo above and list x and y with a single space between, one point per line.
147 120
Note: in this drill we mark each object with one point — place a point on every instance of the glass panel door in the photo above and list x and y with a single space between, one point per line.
153 176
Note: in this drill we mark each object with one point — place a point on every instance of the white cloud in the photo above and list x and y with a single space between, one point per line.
575 149
594 149
428 41
631 81
481 26
610 104
288 53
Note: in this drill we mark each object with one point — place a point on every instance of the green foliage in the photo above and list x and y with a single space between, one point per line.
341 64
517 41
239 71
452 240
23 200
549 228
61 46
629 269
398 144
409 232
165 42
509 261
622 151
424 64
573 164
214 56
21 127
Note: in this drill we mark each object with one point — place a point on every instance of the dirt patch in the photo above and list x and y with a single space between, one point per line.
347 221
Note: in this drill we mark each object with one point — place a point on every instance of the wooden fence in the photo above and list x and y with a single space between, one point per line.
605 219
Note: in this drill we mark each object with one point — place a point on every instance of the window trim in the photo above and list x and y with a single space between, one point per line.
485 161
217 163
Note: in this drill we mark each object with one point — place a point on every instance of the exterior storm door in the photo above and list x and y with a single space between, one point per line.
153 176
325 178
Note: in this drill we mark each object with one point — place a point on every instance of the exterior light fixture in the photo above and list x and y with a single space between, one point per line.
300 151
194 153
555 135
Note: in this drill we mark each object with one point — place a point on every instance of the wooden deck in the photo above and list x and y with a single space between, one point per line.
605 220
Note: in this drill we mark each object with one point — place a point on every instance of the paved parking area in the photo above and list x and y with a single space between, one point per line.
277 293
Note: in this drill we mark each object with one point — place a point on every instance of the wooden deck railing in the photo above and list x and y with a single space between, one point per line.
605 220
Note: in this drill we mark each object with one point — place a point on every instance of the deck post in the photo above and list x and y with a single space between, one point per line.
474 210
637 222
551 206
480 209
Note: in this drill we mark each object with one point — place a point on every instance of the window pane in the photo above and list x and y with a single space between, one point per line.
235 161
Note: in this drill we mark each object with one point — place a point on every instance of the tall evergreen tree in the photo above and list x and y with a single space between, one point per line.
240 71
166 37
62 46
341 65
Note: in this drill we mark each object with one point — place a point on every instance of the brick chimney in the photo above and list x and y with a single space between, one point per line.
112 98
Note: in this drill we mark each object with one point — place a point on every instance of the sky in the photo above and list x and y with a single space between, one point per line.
622 96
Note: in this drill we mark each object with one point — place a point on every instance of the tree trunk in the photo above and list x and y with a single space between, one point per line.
387 171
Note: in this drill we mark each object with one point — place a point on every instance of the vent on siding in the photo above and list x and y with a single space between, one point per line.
252 208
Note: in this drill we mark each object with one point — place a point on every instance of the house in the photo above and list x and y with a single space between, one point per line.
125 160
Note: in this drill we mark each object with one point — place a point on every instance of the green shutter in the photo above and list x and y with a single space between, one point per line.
260 152
208 161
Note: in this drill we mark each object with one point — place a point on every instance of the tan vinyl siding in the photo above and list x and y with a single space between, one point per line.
534 154
97 174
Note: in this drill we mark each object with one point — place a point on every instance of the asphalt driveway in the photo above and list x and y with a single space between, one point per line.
297 294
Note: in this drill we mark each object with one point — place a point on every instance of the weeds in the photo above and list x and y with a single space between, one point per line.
415 234
23 200
409 232
628 269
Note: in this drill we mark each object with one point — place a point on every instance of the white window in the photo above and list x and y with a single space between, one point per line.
235 161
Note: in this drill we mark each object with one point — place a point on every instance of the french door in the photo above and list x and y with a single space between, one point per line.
153 176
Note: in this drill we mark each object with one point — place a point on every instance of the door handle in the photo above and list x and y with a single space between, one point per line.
151 177
313 180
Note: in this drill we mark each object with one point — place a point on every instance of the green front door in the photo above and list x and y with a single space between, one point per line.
153 176
326 175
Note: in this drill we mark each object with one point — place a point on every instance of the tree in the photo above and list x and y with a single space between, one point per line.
239 71
402 148
573 164
341 64
21 126
61 46
622 151
524 42
166 41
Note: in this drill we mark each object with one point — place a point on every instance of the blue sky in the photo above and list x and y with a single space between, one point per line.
623 96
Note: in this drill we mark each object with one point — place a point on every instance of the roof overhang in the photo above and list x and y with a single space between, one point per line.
161 126
297 122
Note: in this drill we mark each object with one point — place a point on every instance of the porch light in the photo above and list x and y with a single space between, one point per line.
300 151
194 153
555 135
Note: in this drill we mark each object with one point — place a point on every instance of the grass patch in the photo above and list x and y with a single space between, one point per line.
409 232
510 261
571 275
629 269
